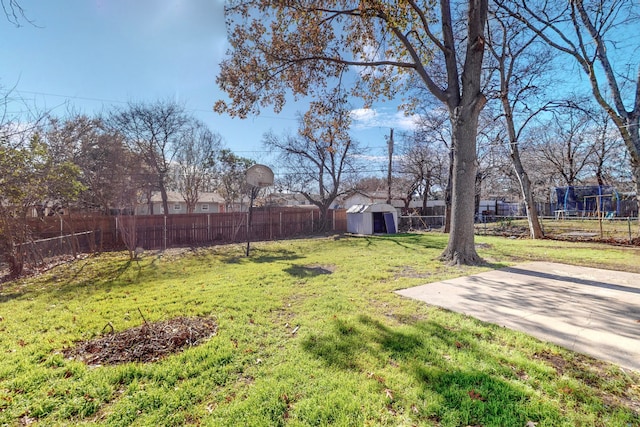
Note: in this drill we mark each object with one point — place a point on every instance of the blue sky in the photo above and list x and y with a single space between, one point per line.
91 54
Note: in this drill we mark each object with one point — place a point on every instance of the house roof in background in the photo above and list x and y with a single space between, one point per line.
176 197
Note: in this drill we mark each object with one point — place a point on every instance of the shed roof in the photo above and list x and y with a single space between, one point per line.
374 207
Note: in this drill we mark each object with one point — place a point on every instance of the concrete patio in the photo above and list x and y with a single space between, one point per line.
587 310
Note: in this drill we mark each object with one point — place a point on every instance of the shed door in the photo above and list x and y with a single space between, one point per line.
379 225
389 223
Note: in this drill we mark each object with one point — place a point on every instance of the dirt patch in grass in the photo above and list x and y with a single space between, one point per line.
147 343
502 230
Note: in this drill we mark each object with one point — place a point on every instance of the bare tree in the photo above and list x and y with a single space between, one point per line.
154 131
195 161
435 125
231 180
421 166
301 46
595 33
496 176
564 145
519 63
608 151
320 156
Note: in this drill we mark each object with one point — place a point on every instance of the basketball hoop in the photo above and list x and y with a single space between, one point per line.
259 176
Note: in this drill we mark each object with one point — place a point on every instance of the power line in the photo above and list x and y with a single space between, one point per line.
115 101
71 97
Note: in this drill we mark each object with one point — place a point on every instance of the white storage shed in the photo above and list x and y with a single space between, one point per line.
377 218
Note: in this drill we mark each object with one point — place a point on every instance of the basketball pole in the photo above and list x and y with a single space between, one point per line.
257 177
252 197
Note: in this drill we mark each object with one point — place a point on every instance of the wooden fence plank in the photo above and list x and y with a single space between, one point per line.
160 232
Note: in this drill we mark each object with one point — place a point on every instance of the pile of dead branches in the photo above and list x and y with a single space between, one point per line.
146 343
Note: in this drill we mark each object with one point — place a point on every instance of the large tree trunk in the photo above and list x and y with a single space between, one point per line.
464 100
461 247
447 194
632 141
425 195
535 230
628 124
323 223
636 178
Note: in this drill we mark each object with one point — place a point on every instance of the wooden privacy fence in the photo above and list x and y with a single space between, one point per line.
165 231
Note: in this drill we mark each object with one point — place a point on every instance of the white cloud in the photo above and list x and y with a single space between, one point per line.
407 122
366 118
372 158
364 115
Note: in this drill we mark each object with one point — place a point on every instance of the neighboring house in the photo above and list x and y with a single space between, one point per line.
362 198
358 198
286 199
239 205
207 203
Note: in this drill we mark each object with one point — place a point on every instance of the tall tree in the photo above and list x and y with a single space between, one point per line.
29 175
321 156
420 165
563 144
434 126
278 47
595 33
608 151
153 131
519 63
195 161
110 172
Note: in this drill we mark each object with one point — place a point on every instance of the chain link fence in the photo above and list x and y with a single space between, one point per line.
41 251
608 230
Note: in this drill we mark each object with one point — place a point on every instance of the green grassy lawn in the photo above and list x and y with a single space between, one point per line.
309 333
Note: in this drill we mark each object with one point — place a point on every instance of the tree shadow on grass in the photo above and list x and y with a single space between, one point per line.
411 240
271 255
349 340
9 297
461 394
303 271
107 276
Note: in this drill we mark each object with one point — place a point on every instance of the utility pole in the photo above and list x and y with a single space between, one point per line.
389 168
